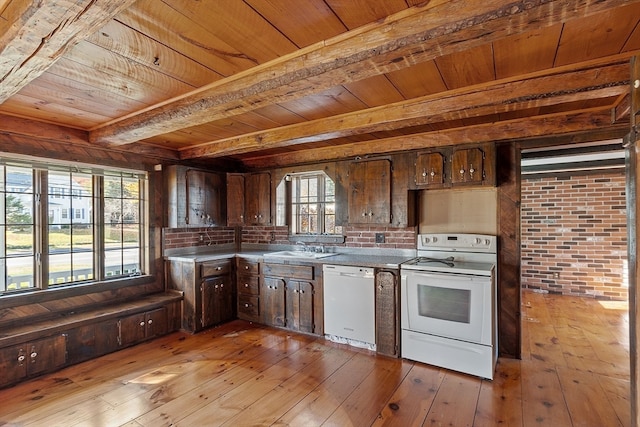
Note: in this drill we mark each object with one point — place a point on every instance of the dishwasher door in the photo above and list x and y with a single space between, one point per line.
349 304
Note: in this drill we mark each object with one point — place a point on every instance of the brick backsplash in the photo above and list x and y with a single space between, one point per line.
394 238
174 238
574 235
360 237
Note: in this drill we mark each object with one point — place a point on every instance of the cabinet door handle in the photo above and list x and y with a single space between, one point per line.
246 267
33 356
247 305
150 321
246 285
21 360
218 268
142 323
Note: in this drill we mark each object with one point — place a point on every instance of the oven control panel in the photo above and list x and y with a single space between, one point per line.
458 242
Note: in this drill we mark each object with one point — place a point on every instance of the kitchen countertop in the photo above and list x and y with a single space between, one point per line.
351 256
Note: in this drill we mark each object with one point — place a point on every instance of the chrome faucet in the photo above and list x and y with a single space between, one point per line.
303 244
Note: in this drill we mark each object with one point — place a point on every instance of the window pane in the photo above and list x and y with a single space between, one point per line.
82 238
313 204
16 229
70 227
19 240
59 268
19 273
122 238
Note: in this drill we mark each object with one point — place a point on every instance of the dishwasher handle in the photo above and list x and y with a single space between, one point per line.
347 271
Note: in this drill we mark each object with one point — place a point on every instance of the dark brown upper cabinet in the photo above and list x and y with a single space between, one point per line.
370 192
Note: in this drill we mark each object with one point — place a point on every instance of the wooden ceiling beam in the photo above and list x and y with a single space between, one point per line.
38 33
481 100
517 129
413 36
39 133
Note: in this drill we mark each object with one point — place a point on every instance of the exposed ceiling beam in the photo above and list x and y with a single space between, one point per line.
413 36
482 100
14 129
37 33
529 127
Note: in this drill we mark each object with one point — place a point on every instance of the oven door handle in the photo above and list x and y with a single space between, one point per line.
457 277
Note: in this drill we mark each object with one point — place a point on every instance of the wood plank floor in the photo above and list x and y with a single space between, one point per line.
574 372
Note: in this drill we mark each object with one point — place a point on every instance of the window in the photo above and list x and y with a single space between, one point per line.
91 227
313 204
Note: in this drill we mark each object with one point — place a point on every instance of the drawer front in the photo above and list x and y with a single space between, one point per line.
249 306
246 266
249 285
215 268
289 271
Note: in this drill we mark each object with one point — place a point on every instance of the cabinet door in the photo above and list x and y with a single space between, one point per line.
387 313
156 323
235 199
272 301
13 364
131 329
379 191
467 166
358 213
204 198
299 306
46 354
430 169
209 310
370 192
258 198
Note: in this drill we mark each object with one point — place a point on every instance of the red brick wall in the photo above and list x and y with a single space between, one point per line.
574 235
394 238
174 238
360 237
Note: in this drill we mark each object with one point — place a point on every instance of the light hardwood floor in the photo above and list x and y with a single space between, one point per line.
574 372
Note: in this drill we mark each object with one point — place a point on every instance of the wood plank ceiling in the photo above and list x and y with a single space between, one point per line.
270 83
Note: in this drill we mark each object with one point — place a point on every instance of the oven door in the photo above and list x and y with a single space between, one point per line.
448 305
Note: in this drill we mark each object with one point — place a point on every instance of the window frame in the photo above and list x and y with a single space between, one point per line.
293 204
40 170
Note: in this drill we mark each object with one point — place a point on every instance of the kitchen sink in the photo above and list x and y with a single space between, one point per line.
299 254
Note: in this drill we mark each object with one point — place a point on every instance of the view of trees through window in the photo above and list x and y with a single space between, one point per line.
313 204
77 245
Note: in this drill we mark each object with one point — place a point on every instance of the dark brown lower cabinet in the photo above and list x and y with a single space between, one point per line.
387 313
89 341
142 326
31 359
217 300
299 306
272 301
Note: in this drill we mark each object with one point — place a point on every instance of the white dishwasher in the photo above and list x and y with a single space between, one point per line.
349 305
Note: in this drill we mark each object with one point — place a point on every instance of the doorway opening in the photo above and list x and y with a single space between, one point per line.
574 272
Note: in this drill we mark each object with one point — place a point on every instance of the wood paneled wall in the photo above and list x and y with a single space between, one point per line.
508 180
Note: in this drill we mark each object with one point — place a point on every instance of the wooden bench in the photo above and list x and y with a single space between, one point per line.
44 342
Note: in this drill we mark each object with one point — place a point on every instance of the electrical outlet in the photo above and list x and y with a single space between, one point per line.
379 237
201 237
